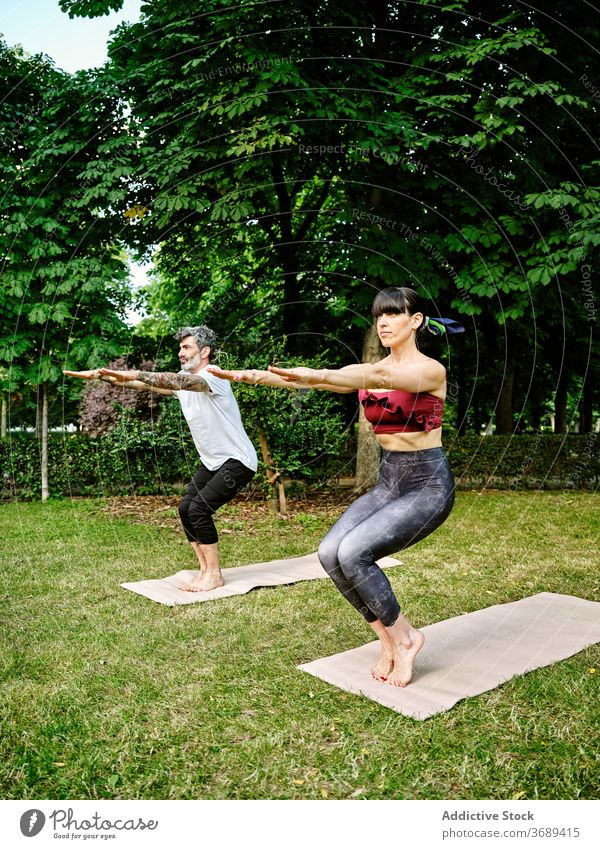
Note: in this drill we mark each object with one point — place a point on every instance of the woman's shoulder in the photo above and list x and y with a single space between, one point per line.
435 365
435 373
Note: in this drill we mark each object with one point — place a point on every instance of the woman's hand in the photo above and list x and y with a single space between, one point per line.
238 375
306 376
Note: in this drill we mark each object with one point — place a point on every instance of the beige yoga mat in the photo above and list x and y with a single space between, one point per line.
472 653
238 579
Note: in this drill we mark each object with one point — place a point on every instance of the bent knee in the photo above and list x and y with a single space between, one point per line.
352 557
327 555
199 513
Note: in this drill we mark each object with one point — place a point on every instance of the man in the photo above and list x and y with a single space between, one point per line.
228 457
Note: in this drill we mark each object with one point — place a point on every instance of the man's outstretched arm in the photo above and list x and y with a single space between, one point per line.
94 374
258 377
118 378
158 381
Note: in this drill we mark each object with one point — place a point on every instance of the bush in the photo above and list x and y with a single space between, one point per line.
136 458
305 434
101 402
539 460
304 428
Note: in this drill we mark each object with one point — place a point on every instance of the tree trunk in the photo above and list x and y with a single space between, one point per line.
286 254
504 400
368 452
560 402
477 424
273 476
44 421
4 418
38 413
292 307
504 403
536 418
461 407
586 408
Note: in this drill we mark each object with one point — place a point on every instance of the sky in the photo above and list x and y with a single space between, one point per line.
40 27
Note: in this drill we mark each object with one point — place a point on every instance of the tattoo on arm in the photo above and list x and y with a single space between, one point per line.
170 380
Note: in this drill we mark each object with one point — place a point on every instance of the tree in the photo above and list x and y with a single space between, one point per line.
506 101
63 274
404 144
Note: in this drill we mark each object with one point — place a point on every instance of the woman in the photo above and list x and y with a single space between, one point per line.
403 397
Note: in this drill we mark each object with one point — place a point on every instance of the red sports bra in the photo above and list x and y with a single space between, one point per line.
402 412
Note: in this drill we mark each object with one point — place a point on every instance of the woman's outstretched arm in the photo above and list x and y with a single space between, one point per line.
419 376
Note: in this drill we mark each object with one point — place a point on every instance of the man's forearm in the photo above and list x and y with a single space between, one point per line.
137 384
173 381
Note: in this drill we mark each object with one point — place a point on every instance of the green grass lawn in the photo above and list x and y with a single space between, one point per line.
109 695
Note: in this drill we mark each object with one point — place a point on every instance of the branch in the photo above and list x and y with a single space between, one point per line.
283 197
314 212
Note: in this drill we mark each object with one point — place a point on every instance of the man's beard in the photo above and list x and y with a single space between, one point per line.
192 364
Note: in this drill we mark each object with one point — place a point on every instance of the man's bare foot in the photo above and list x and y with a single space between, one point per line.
204 582
404 657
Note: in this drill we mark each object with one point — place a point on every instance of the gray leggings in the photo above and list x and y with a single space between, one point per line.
415 494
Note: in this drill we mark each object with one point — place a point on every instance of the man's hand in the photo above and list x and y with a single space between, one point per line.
306 376
118 377
90 374
238 375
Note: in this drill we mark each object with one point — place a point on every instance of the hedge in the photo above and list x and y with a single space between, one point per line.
142 461
525 461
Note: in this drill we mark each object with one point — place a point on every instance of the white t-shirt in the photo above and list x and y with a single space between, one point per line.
216 425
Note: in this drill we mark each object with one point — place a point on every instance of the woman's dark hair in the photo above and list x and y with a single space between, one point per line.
399 299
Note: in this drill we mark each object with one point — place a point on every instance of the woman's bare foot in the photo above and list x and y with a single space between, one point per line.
384 665
404 659
407 642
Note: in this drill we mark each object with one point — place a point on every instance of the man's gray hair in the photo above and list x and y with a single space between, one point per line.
202 335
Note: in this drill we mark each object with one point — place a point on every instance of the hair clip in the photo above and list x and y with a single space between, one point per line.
439 326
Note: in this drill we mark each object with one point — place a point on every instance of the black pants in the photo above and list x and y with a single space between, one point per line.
414 496
206 493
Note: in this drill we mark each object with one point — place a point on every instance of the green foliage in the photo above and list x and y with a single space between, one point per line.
146 460
457 161
290 161
64 277
526 462
304 431
304 428
135 456
89 8
142 455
